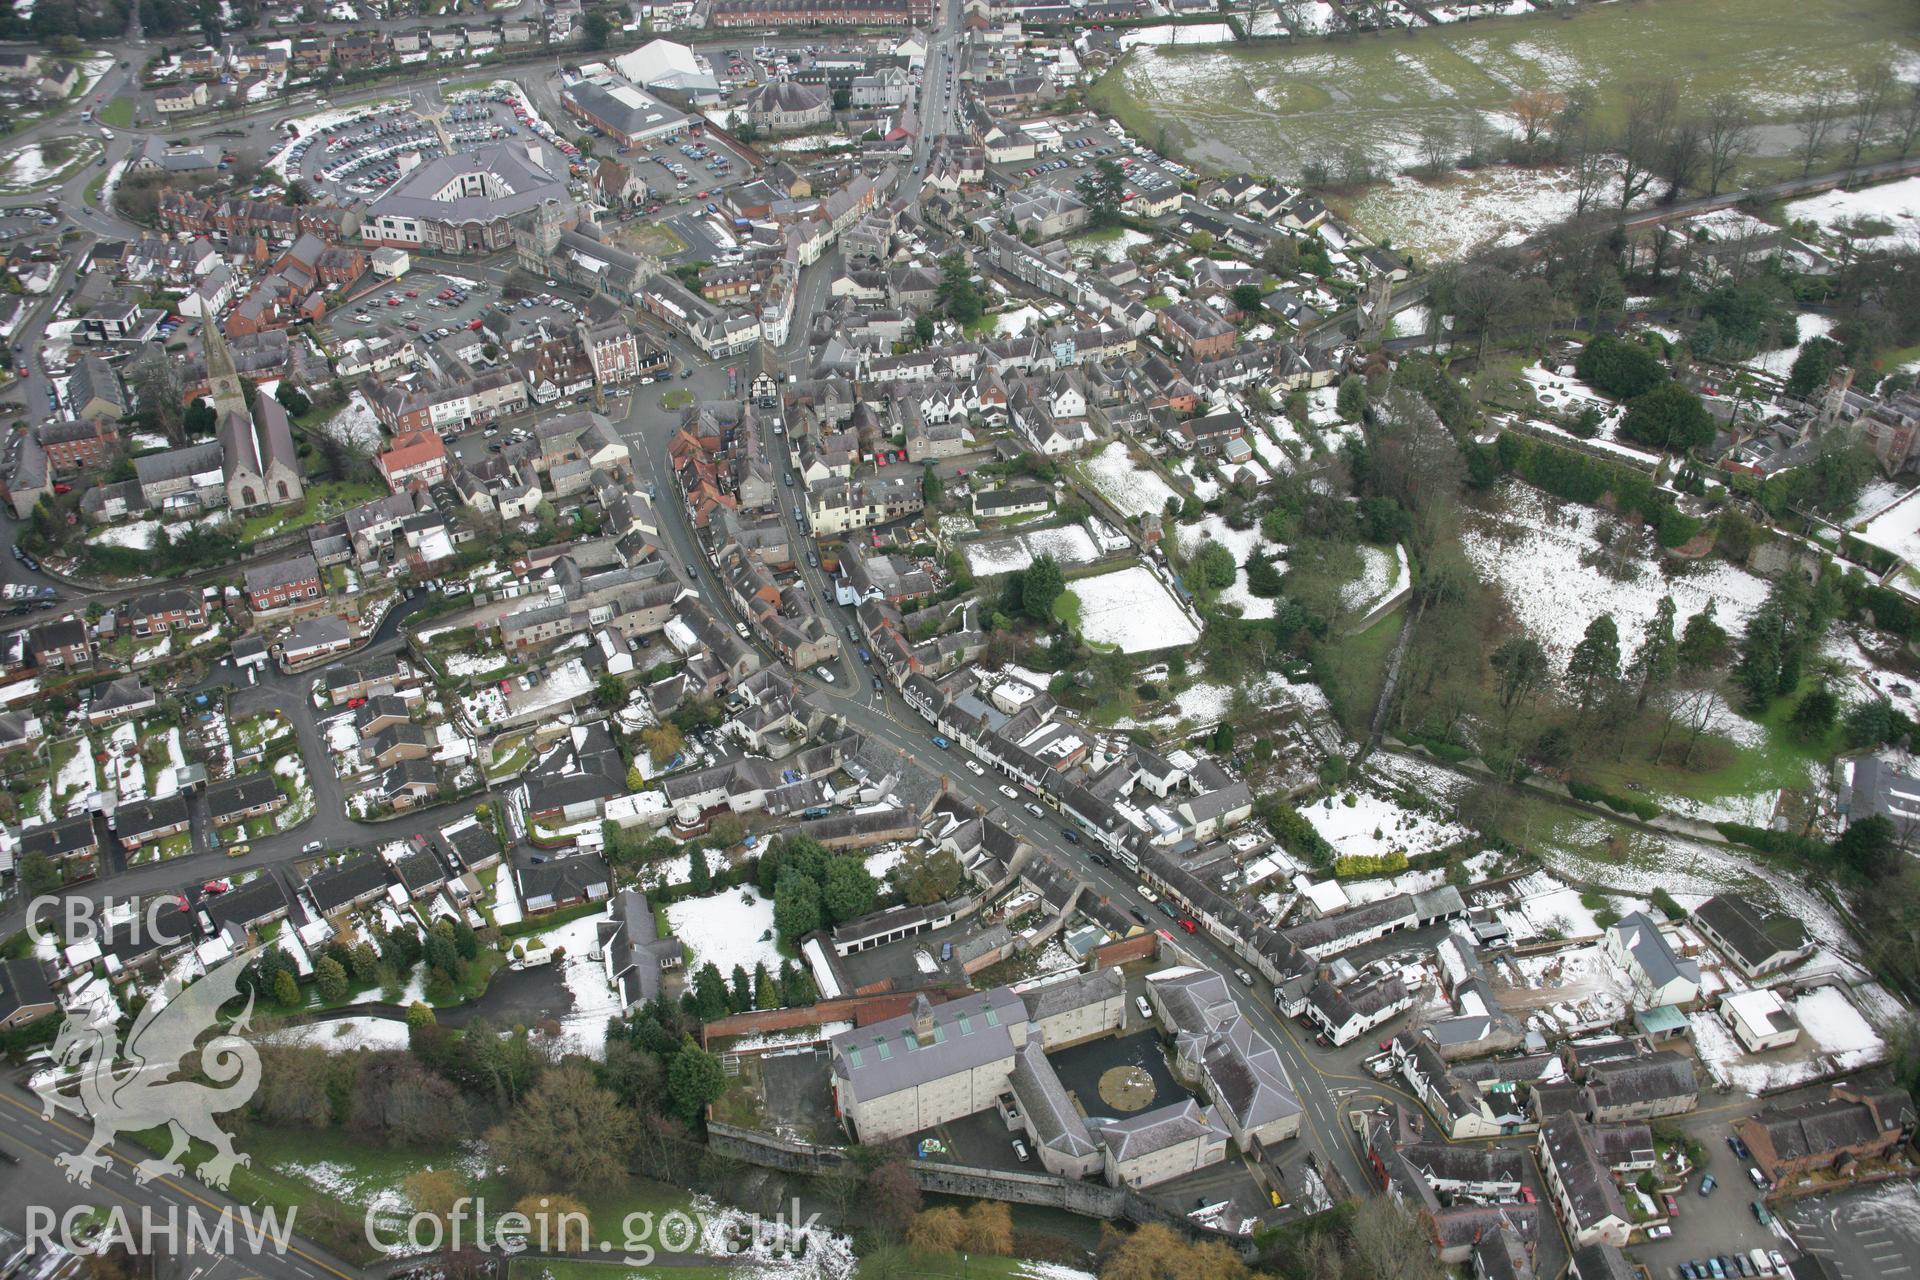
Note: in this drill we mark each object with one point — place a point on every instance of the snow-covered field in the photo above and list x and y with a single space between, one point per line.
1897 528
1780 360
1197 33
1207 703
728 929
1133 489
1895 203
1834 1038
1131 609
29 168
1375 823
1243 543
355 424
344 1034
1110 248
1070 545
1445 218
1380 575
1533 548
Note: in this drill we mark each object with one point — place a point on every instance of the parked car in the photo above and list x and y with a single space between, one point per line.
1660 1232
973 767
1140 1003
1036 810
1246 979
1020 1151
1672 1203
1739 1148
1707 1184
312 846
1009 793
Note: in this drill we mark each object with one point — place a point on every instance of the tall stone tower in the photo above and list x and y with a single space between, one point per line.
223 380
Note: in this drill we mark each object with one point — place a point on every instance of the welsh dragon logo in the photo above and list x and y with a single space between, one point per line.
126 1090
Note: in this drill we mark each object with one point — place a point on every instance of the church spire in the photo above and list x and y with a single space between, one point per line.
223 380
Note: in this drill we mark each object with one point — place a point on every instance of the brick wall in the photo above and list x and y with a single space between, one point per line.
859 1010
1135 948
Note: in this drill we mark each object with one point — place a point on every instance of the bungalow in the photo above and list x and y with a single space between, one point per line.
999 504
633 951
1759 943
119 699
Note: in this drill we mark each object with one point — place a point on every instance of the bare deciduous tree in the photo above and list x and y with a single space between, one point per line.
1686 151
1436 145
1873 90
1534 111
1906 117
1726 138
1816 126
1652 110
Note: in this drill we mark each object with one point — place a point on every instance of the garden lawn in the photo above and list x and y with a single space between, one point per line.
325 500
1352 669
1266 110
118 113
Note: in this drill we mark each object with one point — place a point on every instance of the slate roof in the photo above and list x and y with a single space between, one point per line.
1589 1184
1655 1077
887 1056
1132 1137
1056 1124
335 887
236 795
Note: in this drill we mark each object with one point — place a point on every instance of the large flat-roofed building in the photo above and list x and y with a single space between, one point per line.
465 203
628 115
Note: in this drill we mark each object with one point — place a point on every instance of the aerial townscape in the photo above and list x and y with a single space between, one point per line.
975 639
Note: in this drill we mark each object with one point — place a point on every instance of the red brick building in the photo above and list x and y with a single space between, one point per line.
284 582
75 446
158 611
1199 332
